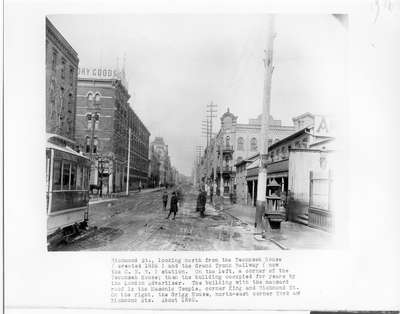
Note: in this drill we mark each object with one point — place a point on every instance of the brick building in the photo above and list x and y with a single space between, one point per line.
103 120
61 84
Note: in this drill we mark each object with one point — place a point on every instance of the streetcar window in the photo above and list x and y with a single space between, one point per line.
79 177
73 177
65 176
84 178
57 175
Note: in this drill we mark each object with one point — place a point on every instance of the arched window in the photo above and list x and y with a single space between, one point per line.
89 121
240 144
253 144
87 144
96 122
90 96
227 141
95 145
97 97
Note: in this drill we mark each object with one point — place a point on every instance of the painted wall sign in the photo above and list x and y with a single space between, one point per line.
97 73
323 126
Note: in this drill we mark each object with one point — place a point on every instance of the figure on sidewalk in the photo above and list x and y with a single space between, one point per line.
173 206
165 199
201 202
179 195
211 194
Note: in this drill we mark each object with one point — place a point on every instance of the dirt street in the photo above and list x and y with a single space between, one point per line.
138 223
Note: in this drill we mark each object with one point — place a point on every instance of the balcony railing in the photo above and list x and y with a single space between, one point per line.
226 148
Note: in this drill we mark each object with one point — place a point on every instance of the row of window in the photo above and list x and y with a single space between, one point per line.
240 143
63 68
69 176
95 145
126 117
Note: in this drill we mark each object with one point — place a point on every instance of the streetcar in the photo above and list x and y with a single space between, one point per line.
67 179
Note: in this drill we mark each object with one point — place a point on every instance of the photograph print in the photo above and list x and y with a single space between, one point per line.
194 132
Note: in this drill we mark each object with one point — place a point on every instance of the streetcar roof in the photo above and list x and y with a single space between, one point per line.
65 149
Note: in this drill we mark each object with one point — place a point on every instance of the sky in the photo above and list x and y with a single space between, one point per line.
176 64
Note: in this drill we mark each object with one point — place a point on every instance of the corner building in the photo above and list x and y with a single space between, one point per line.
103 119
61 83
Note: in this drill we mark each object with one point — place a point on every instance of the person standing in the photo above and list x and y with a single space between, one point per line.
179 195
201 201
173 206
165 199
211 194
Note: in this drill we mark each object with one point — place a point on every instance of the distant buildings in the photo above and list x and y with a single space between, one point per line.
161 171
61 84
104 117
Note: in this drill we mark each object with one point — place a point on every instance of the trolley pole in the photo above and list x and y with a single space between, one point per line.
262 173
129 162
221 184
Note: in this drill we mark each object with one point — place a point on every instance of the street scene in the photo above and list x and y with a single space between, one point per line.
193 133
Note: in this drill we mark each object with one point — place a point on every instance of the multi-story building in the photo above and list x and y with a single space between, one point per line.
301 165
61 82
161 167
235 142
104 118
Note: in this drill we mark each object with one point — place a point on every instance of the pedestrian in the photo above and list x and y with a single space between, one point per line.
165 199
179 195
211 194
174 205
198 203
201 202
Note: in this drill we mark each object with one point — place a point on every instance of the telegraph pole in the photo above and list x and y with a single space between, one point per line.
221 183
210 111
129 162
262 173
205 130
199 151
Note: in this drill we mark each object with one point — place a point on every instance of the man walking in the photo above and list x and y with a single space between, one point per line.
201 202
165 199
174 206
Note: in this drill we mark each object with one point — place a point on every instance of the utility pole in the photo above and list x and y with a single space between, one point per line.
129 161
221 183
210 111
205 130
262 173
199 150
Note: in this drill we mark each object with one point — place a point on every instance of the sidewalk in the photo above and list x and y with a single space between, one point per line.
113 196
291 236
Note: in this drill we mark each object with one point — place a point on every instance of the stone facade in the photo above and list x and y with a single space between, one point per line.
61 84
104 111
235 142
161 170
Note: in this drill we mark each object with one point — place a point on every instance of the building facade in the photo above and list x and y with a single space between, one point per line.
104 123
61 84
161 169
233 143
301 164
